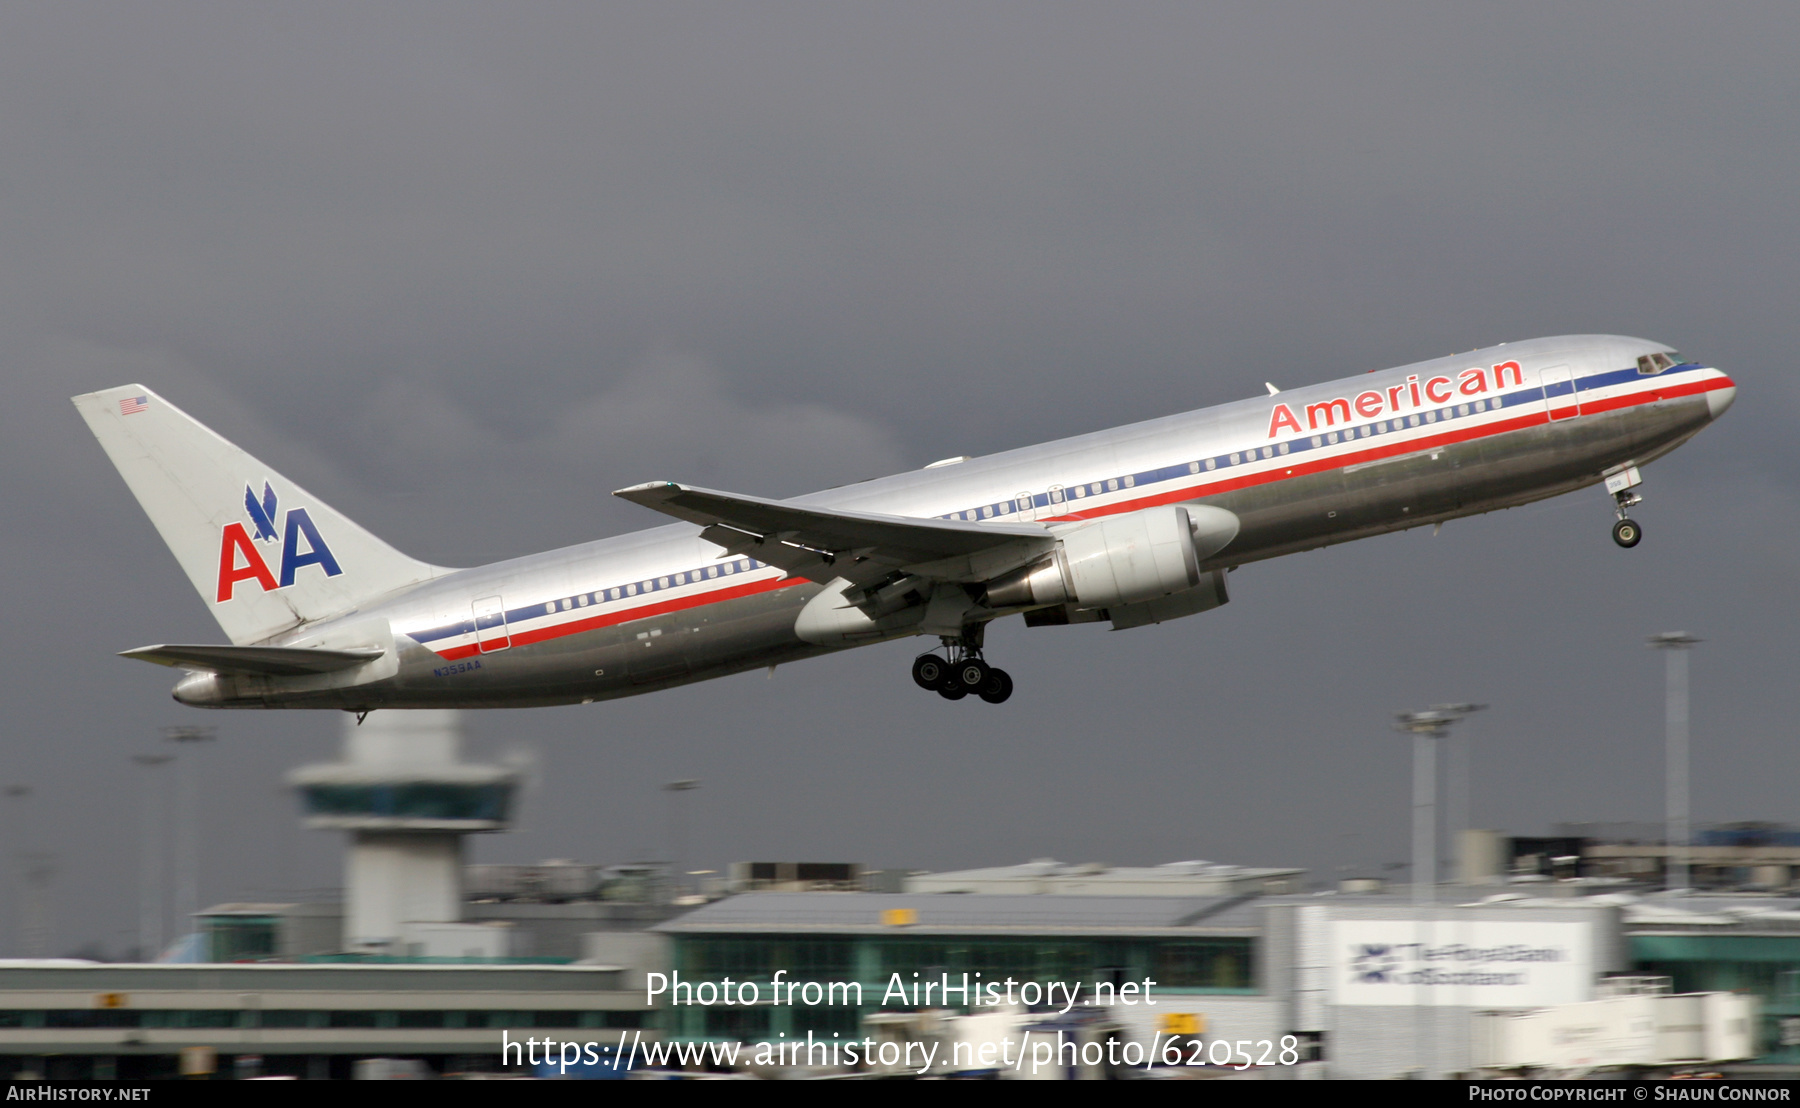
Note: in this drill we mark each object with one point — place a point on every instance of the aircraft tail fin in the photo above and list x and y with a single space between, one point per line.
265 554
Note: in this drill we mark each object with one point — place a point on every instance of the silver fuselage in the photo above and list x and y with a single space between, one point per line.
663 607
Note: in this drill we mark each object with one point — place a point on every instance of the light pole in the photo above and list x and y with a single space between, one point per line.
1426 728
1674 645
18 847
187 874
150 857
677 831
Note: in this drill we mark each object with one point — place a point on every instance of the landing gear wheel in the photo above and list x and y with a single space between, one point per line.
1627 533
972 674
949 686
928 670
998 688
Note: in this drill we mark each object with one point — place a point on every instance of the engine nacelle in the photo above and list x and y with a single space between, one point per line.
1121 560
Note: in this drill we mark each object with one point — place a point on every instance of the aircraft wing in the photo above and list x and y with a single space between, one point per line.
823 544
264 661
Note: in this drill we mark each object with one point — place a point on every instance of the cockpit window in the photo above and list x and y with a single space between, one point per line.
1656 363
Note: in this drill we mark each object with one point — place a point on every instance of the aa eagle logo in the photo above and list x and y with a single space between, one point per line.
301 546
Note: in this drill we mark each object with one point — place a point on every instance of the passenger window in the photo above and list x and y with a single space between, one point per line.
1462 409
550 607
1211 464
1267 451
1318 440
1234 459
1283 448
1056 496
1130 482
986 511
1331 437
1194 467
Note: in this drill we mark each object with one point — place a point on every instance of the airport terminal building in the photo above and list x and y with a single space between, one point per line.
1364 985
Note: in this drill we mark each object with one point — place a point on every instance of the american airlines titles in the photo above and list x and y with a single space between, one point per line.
1395 399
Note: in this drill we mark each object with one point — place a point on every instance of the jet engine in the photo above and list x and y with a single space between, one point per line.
1120 560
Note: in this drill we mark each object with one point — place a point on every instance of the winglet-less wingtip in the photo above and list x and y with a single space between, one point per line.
649 490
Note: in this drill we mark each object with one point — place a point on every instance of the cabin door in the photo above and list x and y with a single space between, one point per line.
491 633
1559 393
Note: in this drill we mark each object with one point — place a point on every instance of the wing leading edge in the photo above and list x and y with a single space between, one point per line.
824 545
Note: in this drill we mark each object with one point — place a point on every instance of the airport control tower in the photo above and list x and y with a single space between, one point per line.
407 799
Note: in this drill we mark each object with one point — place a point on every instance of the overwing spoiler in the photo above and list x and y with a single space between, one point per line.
261 661
822 544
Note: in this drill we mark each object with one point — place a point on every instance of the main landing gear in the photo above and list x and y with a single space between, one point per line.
1626 532
961 674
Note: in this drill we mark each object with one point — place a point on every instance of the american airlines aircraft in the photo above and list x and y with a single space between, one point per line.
1132 526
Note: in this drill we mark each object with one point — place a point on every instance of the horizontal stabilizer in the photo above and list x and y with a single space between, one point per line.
262 661
823 543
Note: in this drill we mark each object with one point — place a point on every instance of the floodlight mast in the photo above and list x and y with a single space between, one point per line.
678 834
1426 728
1677 828
187 851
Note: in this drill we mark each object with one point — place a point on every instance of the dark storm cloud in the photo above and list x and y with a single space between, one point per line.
461 270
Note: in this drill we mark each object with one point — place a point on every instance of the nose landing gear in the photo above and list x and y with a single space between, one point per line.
1626 532
962 673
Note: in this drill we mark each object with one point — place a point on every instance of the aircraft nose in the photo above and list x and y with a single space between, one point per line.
1718 400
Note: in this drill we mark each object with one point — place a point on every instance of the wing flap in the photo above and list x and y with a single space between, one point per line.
261 661
822 544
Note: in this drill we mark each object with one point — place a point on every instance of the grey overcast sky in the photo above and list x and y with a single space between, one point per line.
462 270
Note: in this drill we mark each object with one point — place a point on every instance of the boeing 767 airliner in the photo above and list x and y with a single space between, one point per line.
1131 526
